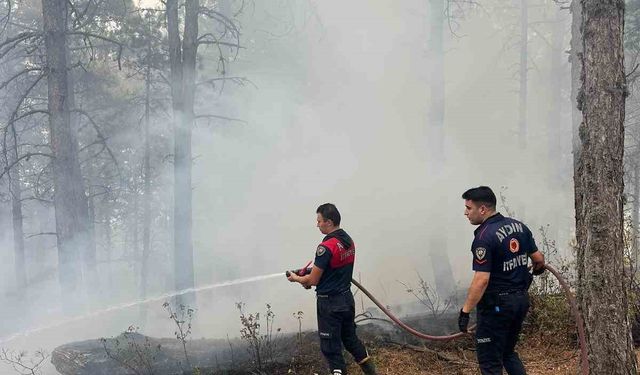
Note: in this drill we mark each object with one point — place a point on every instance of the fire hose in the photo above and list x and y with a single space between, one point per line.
584 365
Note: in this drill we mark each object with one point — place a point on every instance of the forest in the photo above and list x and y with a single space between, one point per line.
162 161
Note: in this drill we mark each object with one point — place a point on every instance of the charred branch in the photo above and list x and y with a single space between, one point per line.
23 157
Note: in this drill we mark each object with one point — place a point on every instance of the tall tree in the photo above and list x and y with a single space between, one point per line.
635 208
15 189
602 293
69 196
436 82
522 97
146 167
11 157
183 52
182 56
441 266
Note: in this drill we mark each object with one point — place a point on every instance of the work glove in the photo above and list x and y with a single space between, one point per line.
463 321
540 271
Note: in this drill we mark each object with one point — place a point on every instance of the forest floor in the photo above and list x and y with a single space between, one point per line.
539 356
548 348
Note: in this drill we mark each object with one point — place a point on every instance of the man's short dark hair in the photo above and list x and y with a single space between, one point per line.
329 212
482 195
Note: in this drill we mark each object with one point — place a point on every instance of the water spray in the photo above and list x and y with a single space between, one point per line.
125 305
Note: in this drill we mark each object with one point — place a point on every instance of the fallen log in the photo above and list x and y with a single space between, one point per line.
133 353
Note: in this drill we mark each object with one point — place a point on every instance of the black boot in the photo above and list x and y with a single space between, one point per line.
368 367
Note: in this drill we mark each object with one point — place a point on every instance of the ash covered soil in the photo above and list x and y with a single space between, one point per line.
394 351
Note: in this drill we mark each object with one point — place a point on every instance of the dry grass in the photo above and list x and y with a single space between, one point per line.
539 359
540 355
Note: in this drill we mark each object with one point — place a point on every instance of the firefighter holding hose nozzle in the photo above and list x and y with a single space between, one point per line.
331 274
501 249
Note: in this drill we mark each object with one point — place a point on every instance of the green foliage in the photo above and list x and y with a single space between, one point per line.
550 315
550 319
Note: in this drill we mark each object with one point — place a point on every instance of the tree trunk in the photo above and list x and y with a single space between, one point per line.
182 60
108 245
90 264
11 155
435 133
16 213
554 125
436 82
146 204
575 57
635 214
441 267
90 274
88 254
522 102
599 186
175 61
189 54
69 197
135 228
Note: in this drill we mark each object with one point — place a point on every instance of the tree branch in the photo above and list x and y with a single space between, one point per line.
15 111
237 80
27 114
101 137
220 117
41 234
19 74
26 156
17 361
9 44
216 42
87 36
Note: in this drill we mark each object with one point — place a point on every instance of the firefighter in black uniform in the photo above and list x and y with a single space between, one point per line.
331 273
501 249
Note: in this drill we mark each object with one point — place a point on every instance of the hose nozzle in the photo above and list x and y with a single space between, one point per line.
300 272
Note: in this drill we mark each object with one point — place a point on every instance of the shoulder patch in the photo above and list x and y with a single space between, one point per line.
480 253
321 250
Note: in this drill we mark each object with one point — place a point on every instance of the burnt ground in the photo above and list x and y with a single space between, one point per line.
396 353
540 358
543 351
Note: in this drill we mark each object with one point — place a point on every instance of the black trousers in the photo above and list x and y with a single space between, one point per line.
500 317
336 327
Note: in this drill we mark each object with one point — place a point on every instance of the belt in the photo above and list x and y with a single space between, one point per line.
333 294
508 292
